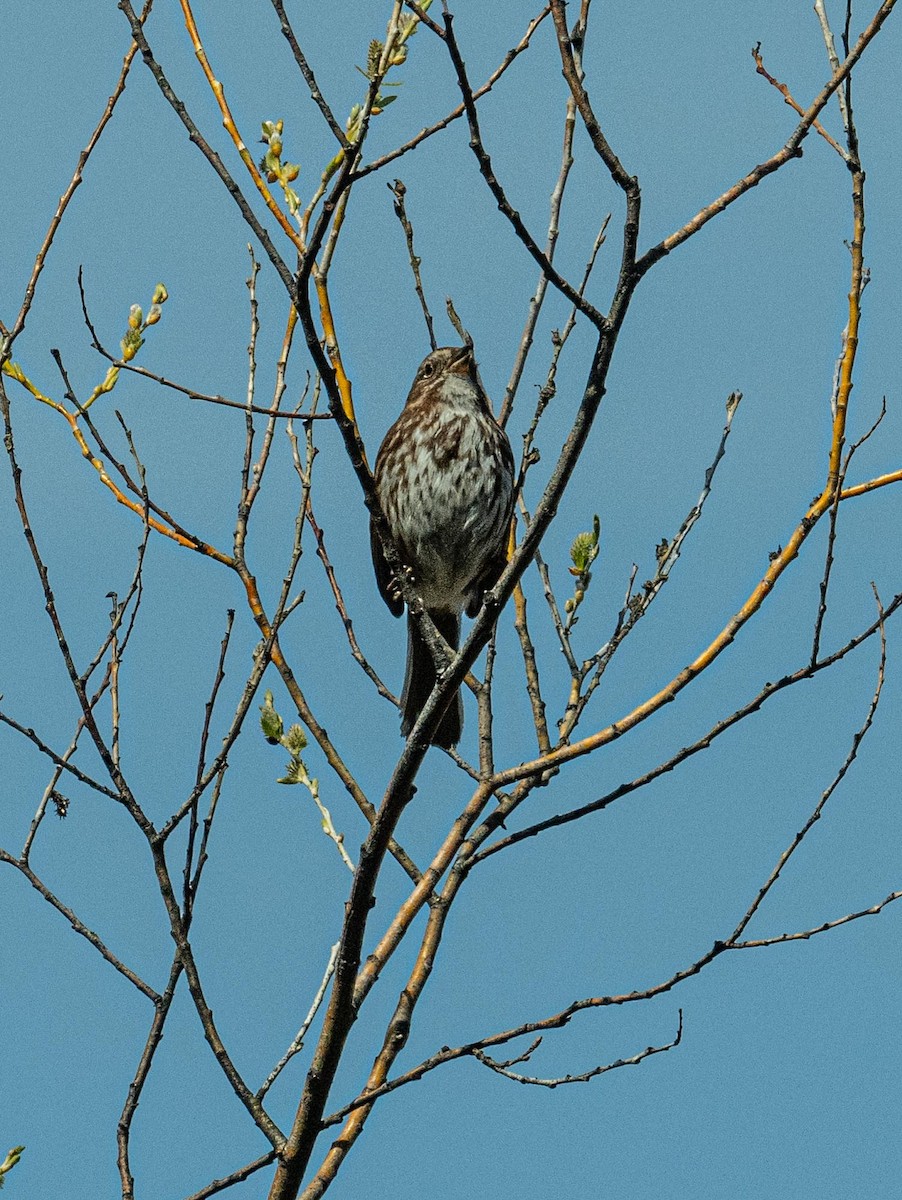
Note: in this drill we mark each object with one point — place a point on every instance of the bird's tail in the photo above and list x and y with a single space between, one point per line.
420 679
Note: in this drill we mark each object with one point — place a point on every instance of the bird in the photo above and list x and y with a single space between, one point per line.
444 479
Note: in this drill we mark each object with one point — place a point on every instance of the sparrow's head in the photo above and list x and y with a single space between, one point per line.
447 360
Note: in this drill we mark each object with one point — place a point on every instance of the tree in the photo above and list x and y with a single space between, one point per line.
134 712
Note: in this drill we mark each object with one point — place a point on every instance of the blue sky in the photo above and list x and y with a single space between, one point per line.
786 1081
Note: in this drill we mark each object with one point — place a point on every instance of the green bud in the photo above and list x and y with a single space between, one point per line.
135 316
131 344
154 315
160 295
270 721
10 1161
584 550
295 772
294 740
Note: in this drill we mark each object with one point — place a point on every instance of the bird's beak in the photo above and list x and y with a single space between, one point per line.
462 363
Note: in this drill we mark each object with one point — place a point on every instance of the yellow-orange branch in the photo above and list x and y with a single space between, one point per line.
231 128
331 341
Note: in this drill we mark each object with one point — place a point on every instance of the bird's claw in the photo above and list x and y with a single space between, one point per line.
394 586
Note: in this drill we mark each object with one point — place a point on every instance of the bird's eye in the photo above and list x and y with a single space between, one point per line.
428 369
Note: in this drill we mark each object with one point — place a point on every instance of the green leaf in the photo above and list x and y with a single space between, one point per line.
584 550
295 772
270 721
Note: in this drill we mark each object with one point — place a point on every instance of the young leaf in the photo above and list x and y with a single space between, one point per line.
270 721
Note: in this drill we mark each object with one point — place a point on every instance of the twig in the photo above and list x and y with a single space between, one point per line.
298 1043
787 96
837 780
808 671
79 926
533 684
247 212
115 619
573 75
637 606
220 1185
309 78
378 163
562 1018
831 536
488 174
136 1087
188 891
399 191
553 608
58 759
790 150
538 298
341 608
232 129
558 341
805 934
76 179
251 383
501 1068
833 57
459 328
214 692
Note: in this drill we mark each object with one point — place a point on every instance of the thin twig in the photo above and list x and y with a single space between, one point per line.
75 181
833 57
220 1185
399 191
79 926
791 149
787 96
836 781
298 1043
488 174
309 78
502 1069
831 536
341 608
808 671
383 161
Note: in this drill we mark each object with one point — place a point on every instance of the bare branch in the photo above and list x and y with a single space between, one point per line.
787 96
488 174
837 780
79 926
309 78
378 163
220 1185
502 1068
399 191
792 149
298 1043
495 820
67 195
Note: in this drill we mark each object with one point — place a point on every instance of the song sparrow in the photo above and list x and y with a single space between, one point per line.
445 480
